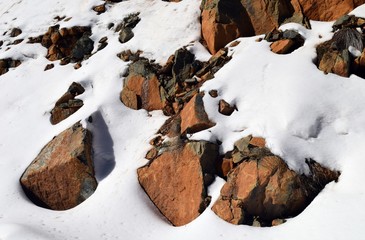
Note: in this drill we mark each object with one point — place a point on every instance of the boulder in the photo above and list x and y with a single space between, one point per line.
62 175
263 188
223 21
174 181
141 87
324 10
67 104
193 116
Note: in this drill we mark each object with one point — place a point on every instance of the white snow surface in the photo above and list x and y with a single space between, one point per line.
301 112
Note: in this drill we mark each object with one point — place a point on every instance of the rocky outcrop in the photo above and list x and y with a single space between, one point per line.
261 188
66 44
176 181
342 54
324 10
62 175
67 104
7 63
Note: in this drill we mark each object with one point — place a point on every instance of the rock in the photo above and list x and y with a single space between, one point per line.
225 108
62 175
84 46
15 32
213 93
7 63
70 43
193 116
49 66
336 62
99 9
284 46
125 35
128 55
262 188
141 87
223 21
174 181
67 104
324 10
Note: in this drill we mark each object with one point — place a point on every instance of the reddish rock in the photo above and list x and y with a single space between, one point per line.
141 88
262 187
213 93
224 21
67 104
62 175
99 8
283 46
327 10
193 116
174 181
225 108
225 167
335 62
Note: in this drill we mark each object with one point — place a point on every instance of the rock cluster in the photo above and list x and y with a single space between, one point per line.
66 44
62 175
67 104
125 28
7 63
226 20
261 188
284 42
344 54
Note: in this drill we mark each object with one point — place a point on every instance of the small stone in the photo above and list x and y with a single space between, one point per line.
152 154
225 108
49 66
283 46
99 9
15 32
125 35
77 65
103 40
277 222
213 93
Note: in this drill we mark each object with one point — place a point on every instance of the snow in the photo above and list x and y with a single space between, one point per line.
301 112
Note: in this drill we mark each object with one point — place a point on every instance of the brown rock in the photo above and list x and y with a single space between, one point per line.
262 188
7 63
62 175
49 66
335 62
152 154
67 104
174 181
15 32
283 46
225 108
130 99
213 93
99 9
193 116
324 10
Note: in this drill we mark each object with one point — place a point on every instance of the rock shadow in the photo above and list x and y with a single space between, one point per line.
103 145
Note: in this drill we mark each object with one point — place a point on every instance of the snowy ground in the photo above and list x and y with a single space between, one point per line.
300 111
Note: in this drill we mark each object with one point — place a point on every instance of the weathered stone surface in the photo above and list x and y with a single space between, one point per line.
83 47
174 181
324 10
284 42
263 188
62 175
67 104
193 116
282 46
141 87
223 21
336 62
126 26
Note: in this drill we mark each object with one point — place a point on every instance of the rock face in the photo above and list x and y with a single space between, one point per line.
62 175
174 181
263 188
324 10
67 104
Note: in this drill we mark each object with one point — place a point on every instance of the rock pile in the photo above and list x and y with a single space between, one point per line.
62 175
125 28
284 42
66 44
344 54
67 104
